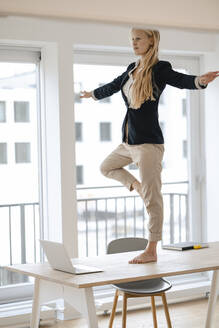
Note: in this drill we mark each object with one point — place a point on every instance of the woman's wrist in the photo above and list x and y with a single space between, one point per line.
92 95
201 81
198 83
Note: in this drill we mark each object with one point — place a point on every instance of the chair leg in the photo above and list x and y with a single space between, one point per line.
112 315
166 310
124 310
154 311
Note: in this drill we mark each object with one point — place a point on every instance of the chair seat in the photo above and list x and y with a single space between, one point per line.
149 286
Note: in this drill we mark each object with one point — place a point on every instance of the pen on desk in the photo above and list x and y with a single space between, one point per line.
197 246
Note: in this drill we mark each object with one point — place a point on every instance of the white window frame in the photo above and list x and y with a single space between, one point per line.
16 54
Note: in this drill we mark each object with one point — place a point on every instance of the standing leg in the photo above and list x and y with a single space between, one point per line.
212 299
149 158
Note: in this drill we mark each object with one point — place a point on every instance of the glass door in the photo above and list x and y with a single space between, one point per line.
105 209
20 217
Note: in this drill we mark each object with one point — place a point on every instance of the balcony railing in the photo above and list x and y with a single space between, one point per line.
20 230
103 218
111 213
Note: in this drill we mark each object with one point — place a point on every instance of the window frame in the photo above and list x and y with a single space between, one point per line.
17 54
108 137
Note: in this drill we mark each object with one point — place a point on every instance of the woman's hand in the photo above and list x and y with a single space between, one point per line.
208 77
86 94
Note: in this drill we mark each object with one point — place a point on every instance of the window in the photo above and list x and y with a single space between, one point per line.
21 111
162 125
22 152
79 173
175 166
2 111
22 223
185 150
184 110
161 101
104 100
78 131
105 131
3 153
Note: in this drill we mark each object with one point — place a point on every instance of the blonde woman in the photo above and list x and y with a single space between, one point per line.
142 141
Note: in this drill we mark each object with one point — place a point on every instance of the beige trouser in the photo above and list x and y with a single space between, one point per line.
148 157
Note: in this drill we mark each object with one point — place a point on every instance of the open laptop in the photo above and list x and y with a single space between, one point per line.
59 260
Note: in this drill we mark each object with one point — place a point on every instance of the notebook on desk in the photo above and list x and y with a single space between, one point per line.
182 246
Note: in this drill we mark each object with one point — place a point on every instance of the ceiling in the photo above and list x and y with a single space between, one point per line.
186 14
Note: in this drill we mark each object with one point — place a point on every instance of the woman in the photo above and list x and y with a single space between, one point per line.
141 86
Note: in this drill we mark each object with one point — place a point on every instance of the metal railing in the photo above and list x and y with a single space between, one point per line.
101 219
20 230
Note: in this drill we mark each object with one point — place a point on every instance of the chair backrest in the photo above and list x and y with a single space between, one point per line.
123 245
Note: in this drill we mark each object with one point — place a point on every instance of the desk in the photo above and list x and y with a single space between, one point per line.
77 290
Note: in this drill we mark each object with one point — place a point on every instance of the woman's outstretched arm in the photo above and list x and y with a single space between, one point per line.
165 74
107 89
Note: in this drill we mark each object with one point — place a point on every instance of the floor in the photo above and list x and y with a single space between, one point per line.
190 314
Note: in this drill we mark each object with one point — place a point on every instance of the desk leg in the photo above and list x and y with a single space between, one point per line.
212 299
90 310
35 318
82 299
44 291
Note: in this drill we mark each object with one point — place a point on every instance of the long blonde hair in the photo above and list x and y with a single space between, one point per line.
142 88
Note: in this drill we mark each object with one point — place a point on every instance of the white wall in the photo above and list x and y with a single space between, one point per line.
56 39
197 13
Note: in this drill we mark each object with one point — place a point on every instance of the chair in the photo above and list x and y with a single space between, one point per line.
149 287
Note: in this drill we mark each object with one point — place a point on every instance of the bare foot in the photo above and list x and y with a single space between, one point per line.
137 186
144 257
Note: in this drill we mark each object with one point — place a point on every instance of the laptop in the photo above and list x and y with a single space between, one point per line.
58 258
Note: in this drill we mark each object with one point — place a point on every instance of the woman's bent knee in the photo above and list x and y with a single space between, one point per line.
104 169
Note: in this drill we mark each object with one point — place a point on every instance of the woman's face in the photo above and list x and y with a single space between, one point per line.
140 42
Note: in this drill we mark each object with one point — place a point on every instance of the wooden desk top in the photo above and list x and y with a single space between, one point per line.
117 269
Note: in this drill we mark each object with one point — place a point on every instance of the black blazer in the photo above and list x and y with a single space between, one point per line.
143 124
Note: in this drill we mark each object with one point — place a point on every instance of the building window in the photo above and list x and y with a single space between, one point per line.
79 173
2 111
21 111
78 131
22 152
106 100
162 126
184 109
185 148
132 166
3 153
161 100
105 131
